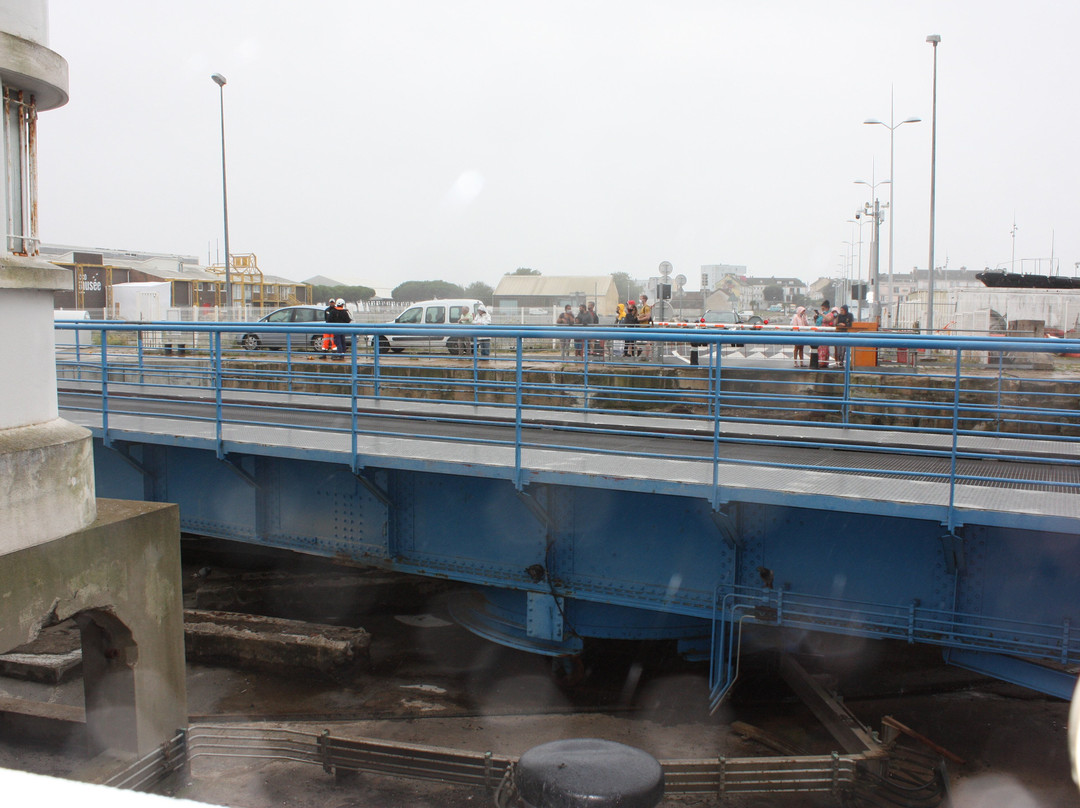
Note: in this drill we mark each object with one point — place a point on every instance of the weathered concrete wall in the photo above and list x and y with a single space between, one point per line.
46 483
121 577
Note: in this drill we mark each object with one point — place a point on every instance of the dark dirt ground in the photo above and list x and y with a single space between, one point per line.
434 683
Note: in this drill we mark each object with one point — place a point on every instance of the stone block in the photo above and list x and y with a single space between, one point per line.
270 643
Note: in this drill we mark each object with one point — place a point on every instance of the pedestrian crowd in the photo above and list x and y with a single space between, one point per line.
632 314
586 315
840 319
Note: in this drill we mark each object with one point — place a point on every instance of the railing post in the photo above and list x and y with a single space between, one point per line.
518 476
715 399
585 373
288 361
951 520
218 383
476 370
845 406
105 437
324 752
376 345
1001 372
355 463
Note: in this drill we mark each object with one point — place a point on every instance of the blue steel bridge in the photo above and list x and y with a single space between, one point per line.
934 500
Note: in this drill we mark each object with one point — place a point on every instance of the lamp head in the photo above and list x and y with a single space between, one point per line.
933 39
912 120
219 79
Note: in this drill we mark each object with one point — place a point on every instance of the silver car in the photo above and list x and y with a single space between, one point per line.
290 315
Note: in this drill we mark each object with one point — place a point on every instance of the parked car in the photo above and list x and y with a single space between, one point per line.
434 313
730 318
290 315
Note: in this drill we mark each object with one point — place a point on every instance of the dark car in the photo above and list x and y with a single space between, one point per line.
290 315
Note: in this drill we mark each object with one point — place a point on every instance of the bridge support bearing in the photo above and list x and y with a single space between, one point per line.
544 616
529 621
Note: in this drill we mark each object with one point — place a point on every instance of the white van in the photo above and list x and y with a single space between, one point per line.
431 312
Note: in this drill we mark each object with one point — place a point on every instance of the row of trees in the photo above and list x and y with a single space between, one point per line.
321 294
408 291
428 290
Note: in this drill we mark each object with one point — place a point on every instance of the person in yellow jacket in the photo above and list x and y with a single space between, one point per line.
644 311
644 318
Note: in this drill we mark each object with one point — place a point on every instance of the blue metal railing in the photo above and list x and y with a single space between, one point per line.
913 623
737 393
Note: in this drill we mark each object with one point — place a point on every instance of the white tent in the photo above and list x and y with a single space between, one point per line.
64 336
143 301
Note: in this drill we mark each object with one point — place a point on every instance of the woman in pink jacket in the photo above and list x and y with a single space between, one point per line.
827 318
799 320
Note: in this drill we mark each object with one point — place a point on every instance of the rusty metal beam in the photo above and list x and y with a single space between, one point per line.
852 736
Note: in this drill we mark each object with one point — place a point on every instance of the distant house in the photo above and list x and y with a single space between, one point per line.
792 287
734 290
904 285
712 275
907 283
722 300
831 289
552 292
322 280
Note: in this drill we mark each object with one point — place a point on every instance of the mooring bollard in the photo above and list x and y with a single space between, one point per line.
588 773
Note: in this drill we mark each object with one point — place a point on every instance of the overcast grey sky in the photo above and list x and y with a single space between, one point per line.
387 141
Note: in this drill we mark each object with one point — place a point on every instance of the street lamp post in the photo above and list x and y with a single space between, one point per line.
849 264
219 80
892 127
933 39
875 243
857 274
875 274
